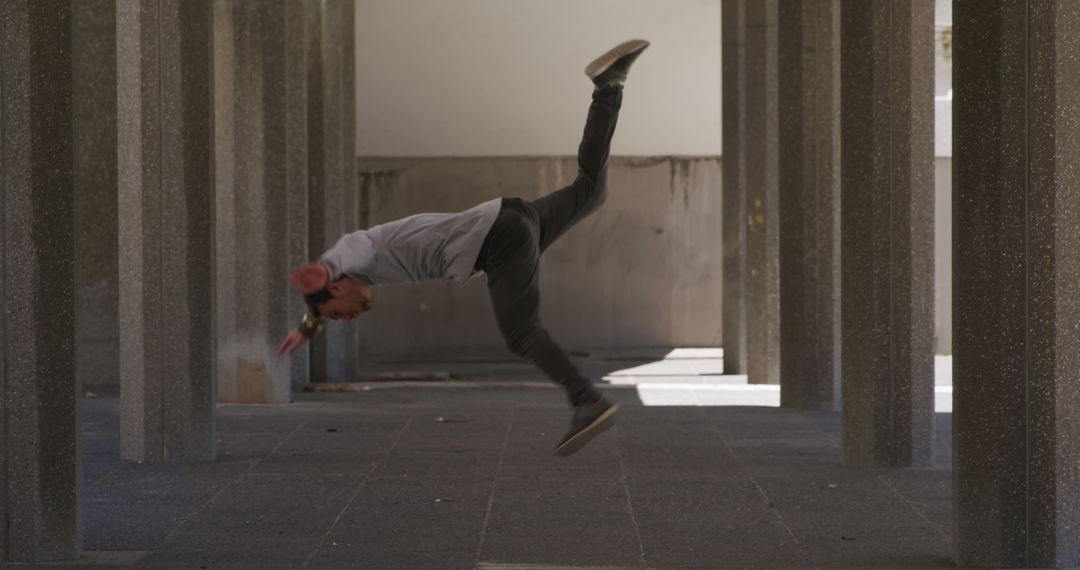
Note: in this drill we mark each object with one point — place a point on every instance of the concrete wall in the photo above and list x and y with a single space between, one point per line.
943 255
943 98
640 272
643 271
499 78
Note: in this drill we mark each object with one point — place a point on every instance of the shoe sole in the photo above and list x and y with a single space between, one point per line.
602 424
602 63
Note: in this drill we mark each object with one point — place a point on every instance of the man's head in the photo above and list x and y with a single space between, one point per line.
343 299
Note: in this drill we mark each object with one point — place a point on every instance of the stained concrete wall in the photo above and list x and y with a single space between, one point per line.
642 271
671 212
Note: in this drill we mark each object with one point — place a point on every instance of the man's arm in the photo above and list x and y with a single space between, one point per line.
352 253
298 336
310 278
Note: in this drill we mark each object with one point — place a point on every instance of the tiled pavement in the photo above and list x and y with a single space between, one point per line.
441 476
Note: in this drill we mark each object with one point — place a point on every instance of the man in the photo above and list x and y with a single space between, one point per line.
503 238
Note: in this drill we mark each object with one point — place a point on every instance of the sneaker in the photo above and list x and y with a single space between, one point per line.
611 68
589 421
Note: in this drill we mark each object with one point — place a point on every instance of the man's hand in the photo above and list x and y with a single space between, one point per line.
310 278
295 340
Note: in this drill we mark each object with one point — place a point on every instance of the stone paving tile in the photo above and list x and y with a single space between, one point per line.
707 549
407 522
530 445
880 554
557 549
262 520
247 447
580 521
130 525
449 463
166 484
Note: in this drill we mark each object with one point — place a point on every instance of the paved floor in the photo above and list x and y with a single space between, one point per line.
439 476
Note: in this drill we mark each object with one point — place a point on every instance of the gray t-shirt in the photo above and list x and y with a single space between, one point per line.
413 249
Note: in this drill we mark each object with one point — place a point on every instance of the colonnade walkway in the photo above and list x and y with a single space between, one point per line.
460 475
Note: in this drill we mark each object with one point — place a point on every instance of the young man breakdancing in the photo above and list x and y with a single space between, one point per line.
503 238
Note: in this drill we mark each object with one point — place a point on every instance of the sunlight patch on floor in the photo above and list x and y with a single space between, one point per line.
689 377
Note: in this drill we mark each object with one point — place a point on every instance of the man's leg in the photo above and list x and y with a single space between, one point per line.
513 281
523 230
561 209
512 262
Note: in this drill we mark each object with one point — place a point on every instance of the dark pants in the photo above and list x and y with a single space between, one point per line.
522 231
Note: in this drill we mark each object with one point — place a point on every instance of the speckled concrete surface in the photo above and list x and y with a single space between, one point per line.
94 100
252 294
165 212
333 210
809 117
762 177
887 247
442 477
1015 267
733 55
296 152
39 421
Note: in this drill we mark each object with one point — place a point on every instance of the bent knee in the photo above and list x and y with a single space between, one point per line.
521 344
596 192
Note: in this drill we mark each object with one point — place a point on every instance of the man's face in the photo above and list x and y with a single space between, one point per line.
350 300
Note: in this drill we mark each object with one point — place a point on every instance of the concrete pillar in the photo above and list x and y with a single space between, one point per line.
733 56
348 142
809 115
751 191
887 231
96 277
332 206
1016 263
762 195
259 217
40 509
164 141
296 155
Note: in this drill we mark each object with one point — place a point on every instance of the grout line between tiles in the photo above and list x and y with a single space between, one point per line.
630 502
360 487
494 482
232 483
921 514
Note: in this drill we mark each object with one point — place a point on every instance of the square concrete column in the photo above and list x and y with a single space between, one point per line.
40 508
94 103
751 190
260 219
164 115
887 65
332 206
809 108
296 141
733 57
1016 265
351 204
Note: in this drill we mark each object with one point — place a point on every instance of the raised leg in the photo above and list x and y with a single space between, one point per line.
561 209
